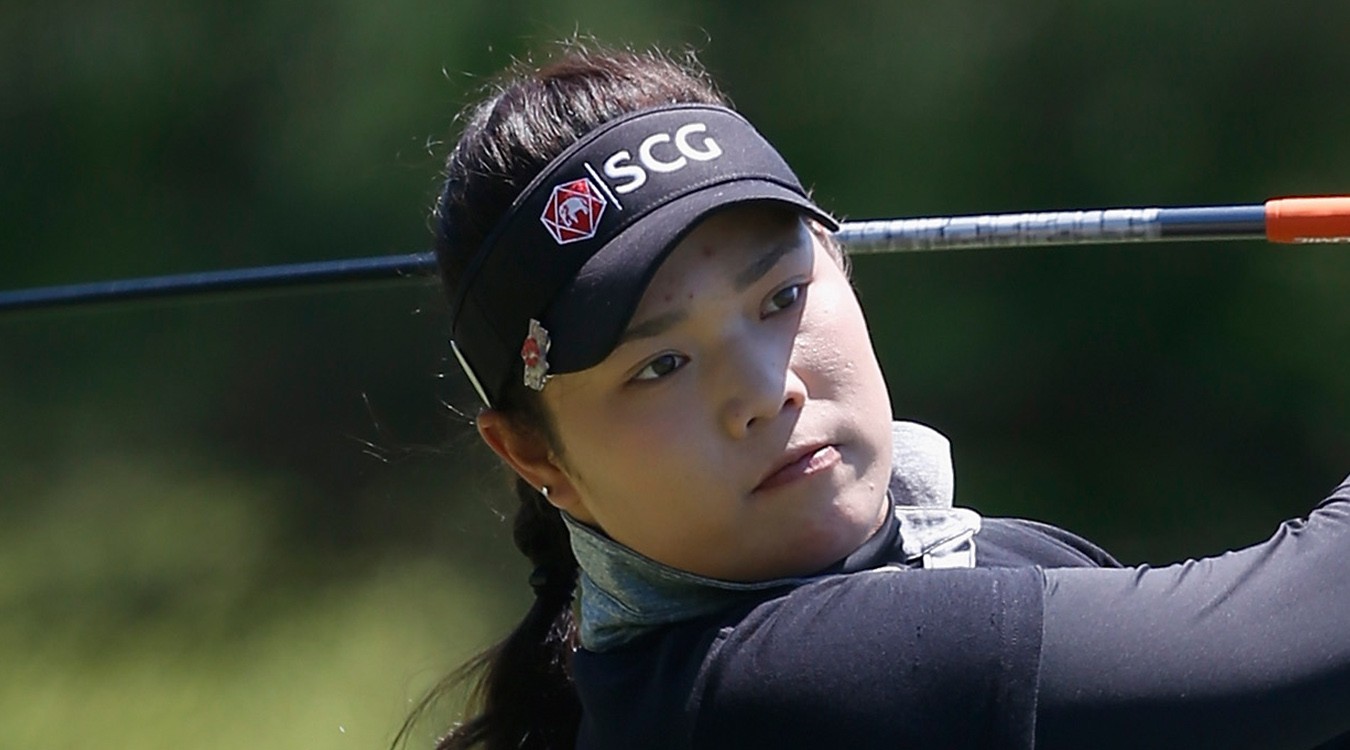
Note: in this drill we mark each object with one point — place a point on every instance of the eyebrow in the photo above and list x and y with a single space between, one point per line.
752 273
653 326
764 263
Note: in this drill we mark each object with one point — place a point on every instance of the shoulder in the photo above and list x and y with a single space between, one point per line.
635 695
884 658
1015 542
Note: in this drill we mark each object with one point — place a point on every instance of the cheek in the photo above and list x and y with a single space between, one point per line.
833 339
639 474
632 444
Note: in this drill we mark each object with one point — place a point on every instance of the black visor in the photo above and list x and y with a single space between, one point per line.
557 280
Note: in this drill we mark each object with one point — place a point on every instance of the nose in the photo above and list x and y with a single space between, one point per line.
759 386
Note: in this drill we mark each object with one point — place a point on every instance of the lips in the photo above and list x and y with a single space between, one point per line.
799 464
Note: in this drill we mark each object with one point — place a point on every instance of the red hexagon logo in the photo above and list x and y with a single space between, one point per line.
573 211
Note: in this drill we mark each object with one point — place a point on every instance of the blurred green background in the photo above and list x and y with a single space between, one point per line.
255 522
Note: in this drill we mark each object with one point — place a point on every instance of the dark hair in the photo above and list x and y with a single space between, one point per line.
524 696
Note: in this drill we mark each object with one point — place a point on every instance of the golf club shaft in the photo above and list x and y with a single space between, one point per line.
1282 220
1285 220
216 282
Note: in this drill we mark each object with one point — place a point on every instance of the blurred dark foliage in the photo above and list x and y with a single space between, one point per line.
1167 401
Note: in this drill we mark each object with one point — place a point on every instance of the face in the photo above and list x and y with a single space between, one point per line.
741 429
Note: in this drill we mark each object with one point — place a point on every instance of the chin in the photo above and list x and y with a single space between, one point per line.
861 519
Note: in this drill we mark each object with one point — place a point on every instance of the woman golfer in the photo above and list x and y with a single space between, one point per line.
734 546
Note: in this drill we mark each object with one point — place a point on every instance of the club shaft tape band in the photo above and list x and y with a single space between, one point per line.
1303 220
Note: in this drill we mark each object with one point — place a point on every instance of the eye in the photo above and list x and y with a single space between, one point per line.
661 366
784 298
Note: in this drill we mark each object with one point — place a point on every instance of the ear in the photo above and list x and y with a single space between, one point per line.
529 455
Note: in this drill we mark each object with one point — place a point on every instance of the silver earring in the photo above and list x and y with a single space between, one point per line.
544 491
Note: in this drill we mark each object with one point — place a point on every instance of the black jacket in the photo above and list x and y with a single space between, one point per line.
1046 643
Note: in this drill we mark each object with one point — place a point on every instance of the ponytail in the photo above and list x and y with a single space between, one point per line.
522 696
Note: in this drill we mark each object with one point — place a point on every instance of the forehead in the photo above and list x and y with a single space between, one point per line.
736 245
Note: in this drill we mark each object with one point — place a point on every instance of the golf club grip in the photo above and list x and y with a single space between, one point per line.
1096 227
1001 230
